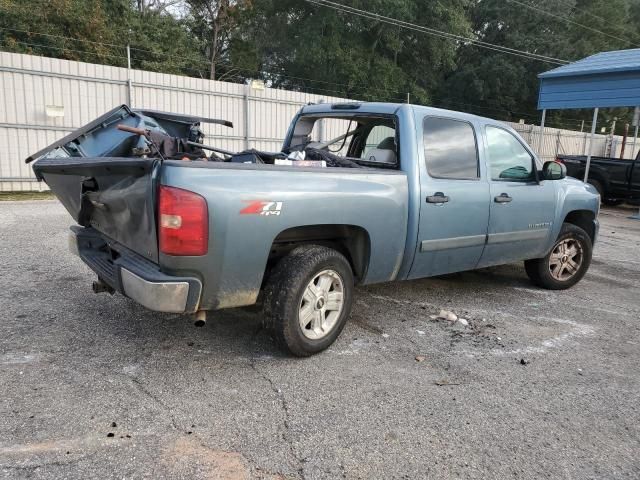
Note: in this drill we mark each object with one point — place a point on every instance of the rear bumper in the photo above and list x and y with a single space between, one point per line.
133 275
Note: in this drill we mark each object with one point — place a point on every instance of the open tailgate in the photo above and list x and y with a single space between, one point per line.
100 184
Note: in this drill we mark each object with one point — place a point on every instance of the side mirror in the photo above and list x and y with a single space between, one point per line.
553 170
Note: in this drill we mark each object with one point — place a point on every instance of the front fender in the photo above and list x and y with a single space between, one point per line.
573 196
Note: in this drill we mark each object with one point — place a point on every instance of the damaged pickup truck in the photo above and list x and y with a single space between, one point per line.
399 192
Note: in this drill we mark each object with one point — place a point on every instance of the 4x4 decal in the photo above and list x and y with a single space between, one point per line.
262 207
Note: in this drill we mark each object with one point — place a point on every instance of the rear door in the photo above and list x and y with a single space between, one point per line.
454 211
522 208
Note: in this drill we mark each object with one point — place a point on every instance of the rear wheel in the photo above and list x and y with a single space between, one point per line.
566 263
308 299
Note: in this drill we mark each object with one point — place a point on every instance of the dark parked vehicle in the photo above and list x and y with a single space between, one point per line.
616 179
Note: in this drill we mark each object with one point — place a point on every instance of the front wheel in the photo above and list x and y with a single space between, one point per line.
566 263
308 299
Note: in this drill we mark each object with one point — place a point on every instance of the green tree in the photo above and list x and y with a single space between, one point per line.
214 23
98 32
314 48
505 86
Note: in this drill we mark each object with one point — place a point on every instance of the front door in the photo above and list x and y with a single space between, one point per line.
522 209
454 210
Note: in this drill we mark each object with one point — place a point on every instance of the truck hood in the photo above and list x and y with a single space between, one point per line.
575 183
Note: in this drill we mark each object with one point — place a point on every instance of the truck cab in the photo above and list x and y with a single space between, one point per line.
477 192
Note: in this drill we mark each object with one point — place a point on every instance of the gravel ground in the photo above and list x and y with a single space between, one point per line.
539 385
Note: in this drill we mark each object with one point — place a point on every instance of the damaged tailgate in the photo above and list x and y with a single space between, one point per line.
105 177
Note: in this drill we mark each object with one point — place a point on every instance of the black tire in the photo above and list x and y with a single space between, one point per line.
283 297
539 270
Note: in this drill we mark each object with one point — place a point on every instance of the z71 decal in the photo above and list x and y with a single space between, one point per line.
262 207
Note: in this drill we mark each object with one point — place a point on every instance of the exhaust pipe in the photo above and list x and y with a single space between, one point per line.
101 287
201 318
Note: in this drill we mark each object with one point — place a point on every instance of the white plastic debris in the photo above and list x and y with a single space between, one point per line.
385 335
300 163
447 315
297 155
463 321
420 332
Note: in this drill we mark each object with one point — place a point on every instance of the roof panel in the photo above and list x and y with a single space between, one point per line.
607 79
604 62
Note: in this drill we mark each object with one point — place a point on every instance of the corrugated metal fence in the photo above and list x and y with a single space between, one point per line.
44 99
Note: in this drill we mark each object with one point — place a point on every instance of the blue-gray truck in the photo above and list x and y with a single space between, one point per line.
399 192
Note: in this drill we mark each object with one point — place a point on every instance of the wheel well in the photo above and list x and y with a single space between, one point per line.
352 241
583 219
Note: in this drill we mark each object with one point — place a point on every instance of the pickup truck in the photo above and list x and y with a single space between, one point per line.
616 179
403 192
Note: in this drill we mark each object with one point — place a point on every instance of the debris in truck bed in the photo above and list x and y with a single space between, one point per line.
124 133
256 156
127 133
165 145
331 159
301 163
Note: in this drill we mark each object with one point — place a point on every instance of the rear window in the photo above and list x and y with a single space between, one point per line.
450 149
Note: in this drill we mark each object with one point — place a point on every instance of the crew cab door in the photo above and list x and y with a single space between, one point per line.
522 208
454 209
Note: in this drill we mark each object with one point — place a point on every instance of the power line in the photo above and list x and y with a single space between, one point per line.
208 63
437 33
124 58
573 5
384 93
331 92
568 20
97 54
28 32
592 15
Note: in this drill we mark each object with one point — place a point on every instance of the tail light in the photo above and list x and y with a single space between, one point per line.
183 222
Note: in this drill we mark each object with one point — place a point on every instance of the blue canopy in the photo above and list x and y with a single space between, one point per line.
607 79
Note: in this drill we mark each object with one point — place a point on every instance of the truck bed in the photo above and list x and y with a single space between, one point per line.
372 200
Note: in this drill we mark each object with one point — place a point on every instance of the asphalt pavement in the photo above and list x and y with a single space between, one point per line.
538 385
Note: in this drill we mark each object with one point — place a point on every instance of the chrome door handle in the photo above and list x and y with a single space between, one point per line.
502 198
437 197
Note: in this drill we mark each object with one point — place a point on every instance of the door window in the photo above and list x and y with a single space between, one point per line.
508 159
450 149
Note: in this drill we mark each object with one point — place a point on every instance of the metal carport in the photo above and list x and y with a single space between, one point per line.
607 79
